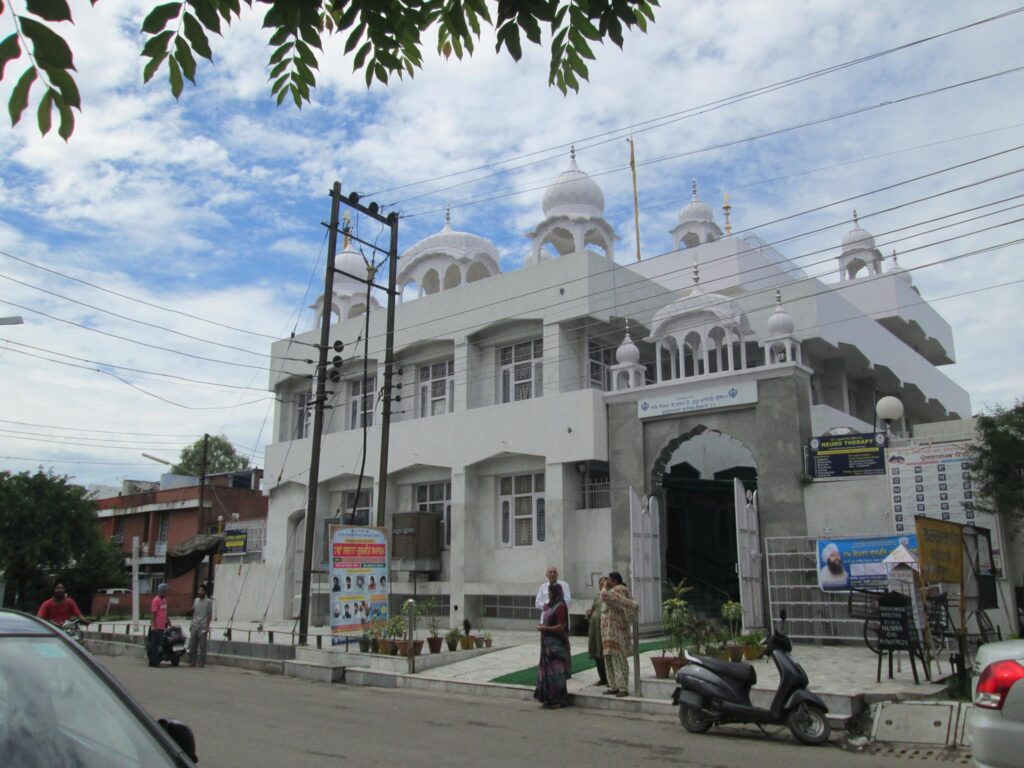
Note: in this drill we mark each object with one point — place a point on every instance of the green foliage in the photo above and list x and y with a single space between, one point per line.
384 39
997 463
395 627
428 609
675 617
453 634
221 456
48 530
732 612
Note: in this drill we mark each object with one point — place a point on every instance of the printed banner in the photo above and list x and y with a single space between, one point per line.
845 564
359 578
846 455
931 480
743 393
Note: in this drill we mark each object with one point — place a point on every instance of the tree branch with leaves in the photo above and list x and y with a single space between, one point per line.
383 38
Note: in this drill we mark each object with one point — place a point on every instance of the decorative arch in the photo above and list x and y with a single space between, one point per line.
477 271
431 282
452 277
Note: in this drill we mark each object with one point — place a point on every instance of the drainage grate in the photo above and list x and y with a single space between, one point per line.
939 754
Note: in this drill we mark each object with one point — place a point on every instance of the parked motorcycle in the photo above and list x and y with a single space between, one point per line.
73 628
172 646
712 692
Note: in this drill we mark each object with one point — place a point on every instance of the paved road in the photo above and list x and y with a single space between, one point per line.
251 719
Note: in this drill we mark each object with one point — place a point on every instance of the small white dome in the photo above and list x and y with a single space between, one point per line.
780 323
574 193
858 239
695 210
899 272
627 352
350 261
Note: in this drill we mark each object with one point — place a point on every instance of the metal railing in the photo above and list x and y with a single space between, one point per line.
595 495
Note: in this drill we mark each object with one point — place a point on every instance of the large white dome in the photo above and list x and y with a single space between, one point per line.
574 194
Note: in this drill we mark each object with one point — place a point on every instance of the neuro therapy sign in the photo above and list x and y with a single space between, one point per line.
725 396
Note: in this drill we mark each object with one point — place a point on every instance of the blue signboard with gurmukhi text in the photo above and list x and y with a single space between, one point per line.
859 563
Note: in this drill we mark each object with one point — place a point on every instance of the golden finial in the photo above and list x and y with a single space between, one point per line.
727 208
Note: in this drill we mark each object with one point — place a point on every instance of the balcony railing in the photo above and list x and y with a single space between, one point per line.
117 538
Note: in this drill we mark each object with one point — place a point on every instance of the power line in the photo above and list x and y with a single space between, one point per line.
72 461
91 429
721 145
139 301
618 133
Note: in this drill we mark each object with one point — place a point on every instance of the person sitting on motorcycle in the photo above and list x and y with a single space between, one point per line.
60 607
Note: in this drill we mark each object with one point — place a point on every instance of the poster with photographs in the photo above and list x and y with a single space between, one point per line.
931 480
359 572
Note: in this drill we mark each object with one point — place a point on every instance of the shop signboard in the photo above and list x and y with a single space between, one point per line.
941 550
359 578
236 542
835 456
858 563
724 396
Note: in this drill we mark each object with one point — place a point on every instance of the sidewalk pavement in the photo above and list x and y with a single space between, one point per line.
844 675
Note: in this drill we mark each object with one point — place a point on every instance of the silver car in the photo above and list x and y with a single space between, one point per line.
58 707
997 724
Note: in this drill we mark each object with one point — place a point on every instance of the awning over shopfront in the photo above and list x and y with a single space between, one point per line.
183 558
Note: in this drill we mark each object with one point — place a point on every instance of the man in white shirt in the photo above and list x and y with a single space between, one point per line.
542 593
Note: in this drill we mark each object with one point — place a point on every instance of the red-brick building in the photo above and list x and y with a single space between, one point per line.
168 516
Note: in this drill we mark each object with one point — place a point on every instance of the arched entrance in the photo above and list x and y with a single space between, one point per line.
706 475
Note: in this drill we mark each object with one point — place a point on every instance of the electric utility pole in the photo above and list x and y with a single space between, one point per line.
372 210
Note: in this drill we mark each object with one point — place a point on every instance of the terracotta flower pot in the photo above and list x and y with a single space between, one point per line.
467 643
735 652
402 647
384 646
417 647
662 666
752 652
677 662
479 641
434 643
487 642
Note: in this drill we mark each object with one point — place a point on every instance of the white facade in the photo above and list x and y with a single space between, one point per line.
507 380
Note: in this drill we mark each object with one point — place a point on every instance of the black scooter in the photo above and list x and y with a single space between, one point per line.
712 692
172 646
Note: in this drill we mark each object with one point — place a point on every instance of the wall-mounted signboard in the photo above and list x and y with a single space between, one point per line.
833 456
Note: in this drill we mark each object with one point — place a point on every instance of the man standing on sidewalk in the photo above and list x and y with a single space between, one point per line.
542 593
157 626
199 632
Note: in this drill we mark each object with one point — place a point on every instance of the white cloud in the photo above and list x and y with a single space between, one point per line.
214 204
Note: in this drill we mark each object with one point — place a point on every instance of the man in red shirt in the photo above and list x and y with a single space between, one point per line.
60 607
157 626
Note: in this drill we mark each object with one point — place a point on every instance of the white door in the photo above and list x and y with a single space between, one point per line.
748 546
645 567
298 550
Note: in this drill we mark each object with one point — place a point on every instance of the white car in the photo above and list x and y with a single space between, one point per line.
997 724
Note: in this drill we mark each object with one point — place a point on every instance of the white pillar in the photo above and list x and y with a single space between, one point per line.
657 367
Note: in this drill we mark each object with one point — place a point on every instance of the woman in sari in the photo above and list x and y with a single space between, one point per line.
620 611
553 669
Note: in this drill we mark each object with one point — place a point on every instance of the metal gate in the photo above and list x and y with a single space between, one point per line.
748 537
645 552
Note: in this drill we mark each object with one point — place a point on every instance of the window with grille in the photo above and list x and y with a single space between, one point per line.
521 371
361 402
521 507
436 498
303 414
599 362
436 386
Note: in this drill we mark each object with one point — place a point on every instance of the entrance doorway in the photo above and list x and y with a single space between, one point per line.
701 511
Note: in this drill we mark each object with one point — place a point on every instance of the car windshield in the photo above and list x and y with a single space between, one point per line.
56 711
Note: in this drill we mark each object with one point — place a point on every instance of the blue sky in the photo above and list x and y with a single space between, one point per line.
212 206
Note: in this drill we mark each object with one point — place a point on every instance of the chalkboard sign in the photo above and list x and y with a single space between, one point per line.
893 633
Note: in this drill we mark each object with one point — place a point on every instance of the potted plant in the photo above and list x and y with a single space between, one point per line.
364 639
375 631
752 645
452 638
675 617
732 613
488 639
718 646
396 631
467 641
434 639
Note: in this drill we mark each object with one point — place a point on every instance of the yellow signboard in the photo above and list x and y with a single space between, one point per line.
940 550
